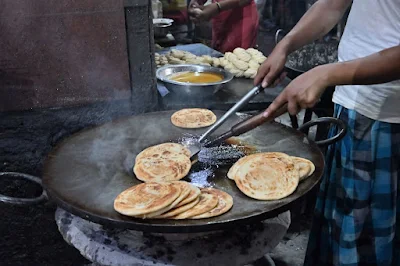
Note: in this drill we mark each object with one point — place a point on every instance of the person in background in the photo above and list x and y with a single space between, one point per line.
234 22
357 215
260 4
176 10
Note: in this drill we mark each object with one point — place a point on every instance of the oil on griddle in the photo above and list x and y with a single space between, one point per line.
215 159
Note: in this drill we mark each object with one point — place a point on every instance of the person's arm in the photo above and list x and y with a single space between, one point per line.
377 68
315 23
199 13
305 90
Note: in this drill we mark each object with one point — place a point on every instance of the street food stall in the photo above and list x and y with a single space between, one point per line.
82 101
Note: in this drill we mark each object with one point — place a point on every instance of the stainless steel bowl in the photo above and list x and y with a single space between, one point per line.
192 90
161 27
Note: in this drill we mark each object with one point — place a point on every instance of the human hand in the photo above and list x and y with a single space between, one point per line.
198 13
303 92
270 72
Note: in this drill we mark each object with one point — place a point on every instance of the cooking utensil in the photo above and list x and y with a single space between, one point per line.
246 125
242 102
161 27
196 146
86 171
192 90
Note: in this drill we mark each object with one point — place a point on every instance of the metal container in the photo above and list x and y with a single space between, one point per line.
161 27
191 90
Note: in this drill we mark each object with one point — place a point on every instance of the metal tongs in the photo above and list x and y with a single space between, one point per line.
240 128
242 102
246 125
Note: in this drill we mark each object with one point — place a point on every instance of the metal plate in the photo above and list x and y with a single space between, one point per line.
85 172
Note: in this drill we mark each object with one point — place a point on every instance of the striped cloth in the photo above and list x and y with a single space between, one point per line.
357 216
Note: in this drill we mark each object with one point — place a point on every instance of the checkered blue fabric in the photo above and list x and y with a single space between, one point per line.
357 215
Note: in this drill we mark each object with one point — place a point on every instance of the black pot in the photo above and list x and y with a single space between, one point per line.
310 56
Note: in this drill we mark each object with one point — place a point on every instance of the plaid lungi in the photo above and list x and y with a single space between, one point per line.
357 214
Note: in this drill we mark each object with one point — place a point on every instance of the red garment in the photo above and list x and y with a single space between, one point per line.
235 28
179 17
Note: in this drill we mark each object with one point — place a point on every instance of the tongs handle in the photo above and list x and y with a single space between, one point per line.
256 120
245 100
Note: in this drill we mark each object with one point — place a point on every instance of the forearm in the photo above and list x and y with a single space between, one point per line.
317 22
377 68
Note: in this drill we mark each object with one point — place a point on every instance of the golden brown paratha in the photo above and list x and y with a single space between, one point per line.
185 190
163 149
207 202
193 118
267 178
146 198
305 167
233 170
225 203
179 210
193 195
171 167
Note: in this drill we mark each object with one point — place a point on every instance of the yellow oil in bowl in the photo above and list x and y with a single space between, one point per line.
197 77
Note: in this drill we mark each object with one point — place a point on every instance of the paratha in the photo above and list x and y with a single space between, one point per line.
164 149
193 118
185 190
194 194
267 178
179 210
207 202
161 168
225 203
305 167
233 170
146 198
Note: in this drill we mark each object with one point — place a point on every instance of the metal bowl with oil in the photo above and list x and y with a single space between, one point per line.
188 90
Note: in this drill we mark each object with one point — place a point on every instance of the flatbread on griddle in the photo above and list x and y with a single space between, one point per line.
233 170
305 167
146 198
193 195
193 118
164 149
162 168
207 202
179 210
185 190
267 178
225 203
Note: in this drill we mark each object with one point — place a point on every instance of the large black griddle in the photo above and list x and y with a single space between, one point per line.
85 172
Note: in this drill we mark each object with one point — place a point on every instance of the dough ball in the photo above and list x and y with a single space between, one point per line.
239 64
216 62
223 62
250 73
254 64
253 52
232 69
176 61
177 54
259 58
207 59
188 55
232 57
242 54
